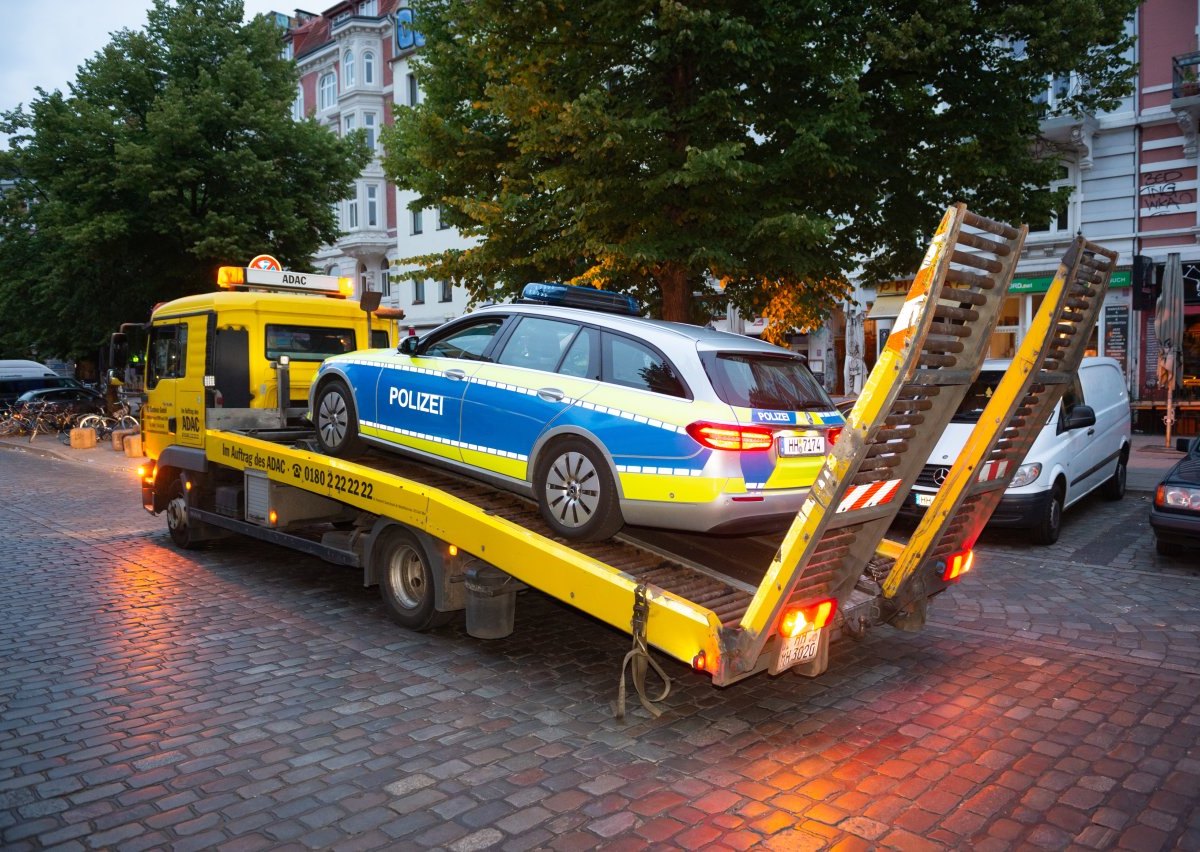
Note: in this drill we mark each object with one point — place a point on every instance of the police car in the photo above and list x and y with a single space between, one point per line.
602 416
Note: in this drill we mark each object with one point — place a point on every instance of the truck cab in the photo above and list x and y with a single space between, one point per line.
243 357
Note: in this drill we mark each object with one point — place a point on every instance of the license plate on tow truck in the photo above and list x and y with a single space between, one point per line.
799 649
801 445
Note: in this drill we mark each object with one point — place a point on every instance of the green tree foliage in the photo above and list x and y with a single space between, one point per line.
775 145
174 152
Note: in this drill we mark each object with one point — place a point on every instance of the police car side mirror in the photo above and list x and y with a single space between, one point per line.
408 346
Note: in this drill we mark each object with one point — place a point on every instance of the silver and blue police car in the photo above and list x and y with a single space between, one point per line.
604 417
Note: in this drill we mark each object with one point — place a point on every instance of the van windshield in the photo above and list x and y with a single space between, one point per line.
978 396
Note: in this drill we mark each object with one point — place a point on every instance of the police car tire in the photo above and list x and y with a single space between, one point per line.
336 401
407 581
606 519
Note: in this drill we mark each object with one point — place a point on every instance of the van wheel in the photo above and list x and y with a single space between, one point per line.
407 582
1167 548
1114 487
576 492
337 427
1050 524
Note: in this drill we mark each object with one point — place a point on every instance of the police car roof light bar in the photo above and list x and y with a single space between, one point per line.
574 296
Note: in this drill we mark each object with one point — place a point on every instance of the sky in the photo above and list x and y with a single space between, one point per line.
45 43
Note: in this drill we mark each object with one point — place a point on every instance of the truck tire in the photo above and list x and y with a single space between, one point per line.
1049 525
406 581
576 492
1114 487
177 518
337 426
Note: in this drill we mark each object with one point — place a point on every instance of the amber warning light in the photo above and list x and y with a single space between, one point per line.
231 277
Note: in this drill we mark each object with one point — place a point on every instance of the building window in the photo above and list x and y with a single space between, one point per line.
417 225
1060 220
347 70
298 105
339 17
418 292
348 124
352 213
327 91
372 206
369 9
442 224
288 50
368 68
385 279
447 291
413 94
369 126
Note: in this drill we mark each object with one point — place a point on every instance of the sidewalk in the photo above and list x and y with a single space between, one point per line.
1149 460
102 456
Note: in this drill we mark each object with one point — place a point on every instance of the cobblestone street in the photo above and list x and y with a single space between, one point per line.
244 696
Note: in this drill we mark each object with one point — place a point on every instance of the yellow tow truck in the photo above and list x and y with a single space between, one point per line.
229 452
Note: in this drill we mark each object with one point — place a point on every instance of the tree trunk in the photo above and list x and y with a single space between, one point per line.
676 293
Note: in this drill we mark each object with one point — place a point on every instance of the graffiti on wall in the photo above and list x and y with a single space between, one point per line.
1160 194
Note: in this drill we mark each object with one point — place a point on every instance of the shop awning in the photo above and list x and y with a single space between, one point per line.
886 307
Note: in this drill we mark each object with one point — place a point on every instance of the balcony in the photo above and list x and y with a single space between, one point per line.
1185 98
1066 133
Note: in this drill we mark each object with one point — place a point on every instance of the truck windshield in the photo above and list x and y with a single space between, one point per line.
307 343
978 396
750 380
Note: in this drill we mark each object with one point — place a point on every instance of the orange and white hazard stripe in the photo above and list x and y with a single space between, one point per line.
866 496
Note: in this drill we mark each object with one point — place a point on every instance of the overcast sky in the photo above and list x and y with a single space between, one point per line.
45 43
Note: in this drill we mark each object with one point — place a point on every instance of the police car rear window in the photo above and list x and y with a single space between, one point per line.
308 343
750 380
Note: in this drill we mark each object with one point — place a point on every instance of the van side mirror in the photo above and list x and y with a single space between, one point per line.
408 346
1081 416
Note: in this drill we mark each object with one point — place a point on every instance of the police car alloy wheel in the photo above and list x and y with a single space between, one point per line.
577 493
337 427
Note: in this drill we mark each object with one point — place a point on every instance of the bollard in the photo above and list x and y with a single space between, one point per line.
119 436
133 446
83 438
491 601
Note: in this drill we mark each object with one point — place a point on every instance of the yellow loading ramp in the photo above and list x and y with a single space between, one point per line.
933 355
1040 373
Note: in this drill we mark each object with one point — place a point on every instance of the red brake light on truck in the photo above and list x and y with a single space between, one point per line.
730 436
957 564
799 619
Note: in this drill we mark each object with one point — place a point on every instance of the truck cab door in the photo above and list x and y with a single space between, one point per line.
174 410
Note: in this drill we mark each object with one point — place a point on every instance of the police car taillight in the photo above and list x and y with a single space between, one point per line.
832 434
729 436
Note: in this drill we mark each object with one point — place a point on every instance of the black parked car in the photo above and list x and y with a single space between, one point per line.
1175 515
76 401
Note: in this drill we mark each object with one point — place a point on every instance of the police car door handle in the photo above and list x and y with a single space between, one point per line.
457 375
550 394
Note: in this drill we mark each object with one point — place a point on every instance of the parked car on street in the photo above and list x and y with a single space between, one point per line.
1084 446
70 400
1175 513
602 416
19 376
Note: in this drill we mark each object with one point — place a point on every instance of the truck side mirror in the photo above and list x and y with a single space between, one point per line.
408 346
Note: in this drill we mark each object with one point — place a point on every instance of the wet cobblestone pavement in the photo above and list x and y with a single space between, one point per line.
246 697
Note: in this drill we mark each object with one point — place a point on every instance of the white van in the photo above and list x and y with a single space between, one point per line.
18 376
1083 446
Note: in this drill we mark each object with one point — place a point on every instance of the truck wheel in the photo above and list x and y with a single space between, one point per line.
177 517
576 492
337 427
1114 487
1050 524
406 581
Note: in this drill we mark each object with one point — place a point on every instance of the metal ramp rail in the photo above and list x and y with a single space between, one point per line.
932 356
1040 373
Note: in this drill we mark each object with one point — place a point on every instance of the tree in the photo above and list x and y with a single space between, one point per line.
174 152
655 145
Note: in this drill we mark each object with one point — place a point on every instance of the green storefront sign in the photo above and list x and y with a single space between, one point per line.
1041 285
